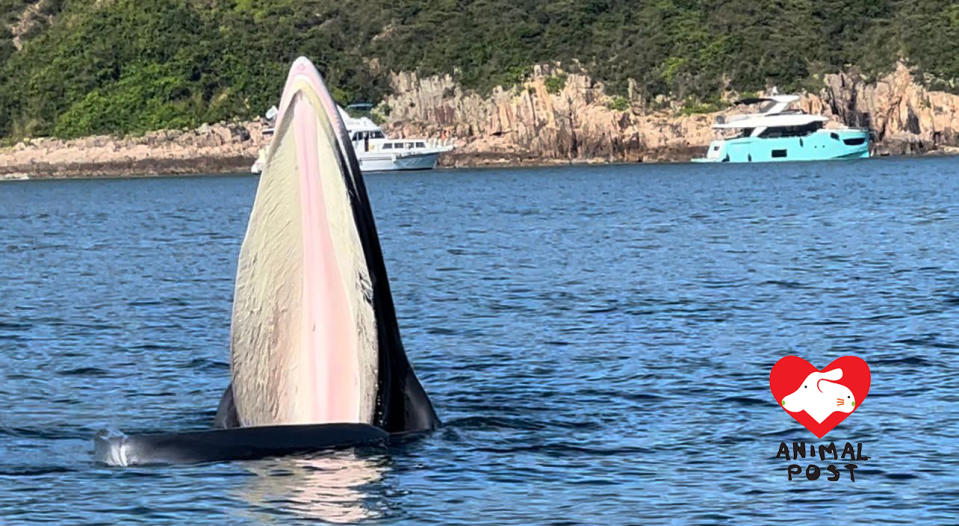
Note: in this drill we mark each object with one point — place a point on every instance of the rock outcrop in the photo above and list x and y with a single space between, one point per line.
905 117
560 117
218 148
34 15
553 117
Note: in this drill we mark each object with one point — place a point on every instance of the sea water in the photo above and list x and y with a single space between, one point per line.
597 341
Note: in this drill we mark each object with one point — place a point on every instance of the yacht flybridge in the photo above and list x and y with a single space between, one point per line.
779 133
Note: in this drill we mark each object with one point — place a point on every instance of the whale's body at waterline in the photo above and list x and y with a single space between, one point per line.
316 355
245 443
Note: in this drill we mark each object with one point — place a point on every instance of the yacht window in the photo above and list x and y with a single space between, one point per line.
779 154
377 135
834 135
791 131
855 141
409 145
422 145
388 146
716 148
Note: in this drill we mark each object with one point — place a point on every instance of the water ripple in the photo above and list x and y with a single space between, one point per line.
598 342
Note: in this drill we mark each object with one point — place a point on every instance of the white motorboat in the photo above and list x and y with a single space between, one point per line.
376 152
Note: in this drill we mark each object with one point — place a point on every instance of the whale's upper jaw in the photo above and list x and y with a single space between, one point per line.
314 335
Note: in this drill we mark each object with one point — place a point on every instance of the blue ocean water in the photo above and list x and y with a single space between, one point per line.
597 340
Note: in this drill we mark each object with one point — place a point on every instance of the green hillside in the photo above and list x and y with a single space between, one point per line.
122 66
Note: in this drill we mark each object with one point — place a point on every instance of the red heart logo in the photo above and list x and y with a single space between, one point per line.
820 399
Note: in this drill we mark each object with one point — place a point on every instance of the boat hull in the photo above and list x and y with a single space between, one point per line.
823 145
379 162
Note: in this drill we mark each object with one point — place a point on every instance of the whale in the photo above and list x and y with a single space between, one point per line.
316 358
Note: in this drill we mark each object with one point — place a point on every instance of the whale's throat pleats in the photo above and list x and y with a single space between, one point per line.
304 335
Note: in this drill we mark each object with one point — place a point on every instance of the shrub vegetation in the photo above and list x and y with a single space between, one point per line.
126 66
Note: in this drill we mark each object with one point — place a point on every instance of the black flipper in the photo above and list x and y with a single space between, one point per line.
226 417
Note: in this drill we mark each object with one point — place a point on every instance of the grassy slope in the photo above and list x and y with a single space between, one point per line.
120 66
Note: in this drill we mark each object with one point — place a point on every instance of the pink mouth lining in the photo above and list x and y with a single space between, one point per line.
327 335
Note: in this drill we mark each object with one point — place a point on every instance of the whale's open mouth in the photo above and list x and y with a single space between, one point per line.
316 356
304 339
314 333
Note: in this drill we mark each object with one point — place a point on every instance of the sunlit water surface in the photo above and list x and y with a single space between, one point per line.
598 342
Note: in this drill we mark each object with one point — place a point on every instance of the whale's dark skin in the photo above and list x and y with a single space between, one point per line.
248 443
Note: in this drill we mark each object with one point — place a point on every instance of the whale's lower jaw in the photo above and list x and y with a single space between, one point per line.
314 338
304 338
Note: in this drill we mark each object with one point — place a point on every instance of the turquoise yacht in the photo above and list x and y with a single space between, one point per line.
778 133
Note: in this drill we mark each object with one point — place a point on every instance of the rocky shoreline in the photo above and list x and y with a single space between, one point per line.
559 115
210 149
553 118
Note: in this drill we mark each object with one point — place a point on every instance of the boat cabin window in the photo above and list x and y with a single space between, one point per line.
855 141
363 135
747 132
420 145
790 131
778 154
388 146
